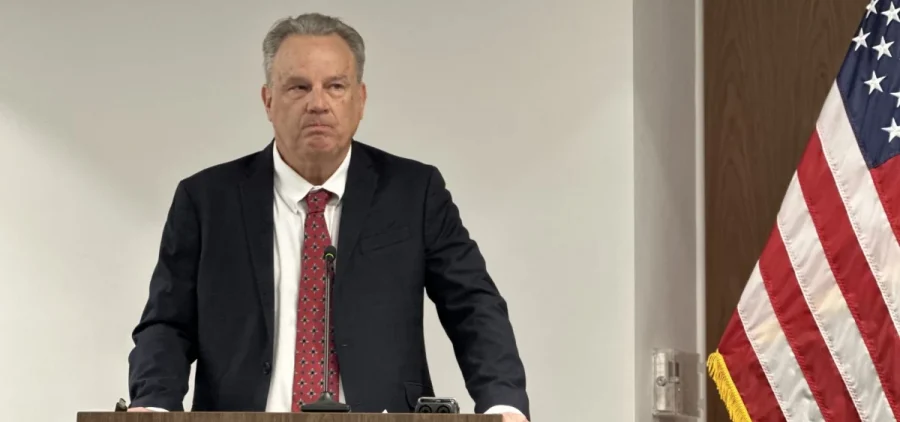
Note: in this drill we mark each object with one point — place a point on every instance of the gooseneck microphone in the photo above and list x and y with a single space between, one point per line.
326 402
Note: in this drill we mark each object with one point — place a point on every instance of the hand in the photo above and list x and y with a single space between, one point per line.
142 409
514 417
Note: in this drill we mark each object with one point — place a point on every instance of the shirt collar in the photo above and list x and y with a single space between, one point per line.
292 188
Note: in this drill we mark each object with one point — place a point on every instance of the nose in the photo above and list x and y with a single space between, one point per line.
317 102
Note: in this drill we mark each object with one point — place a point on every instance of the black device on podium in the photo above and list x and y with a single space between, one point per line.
437 405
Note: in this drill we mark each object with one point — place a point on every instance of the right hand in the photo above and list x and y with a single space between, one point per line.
139 409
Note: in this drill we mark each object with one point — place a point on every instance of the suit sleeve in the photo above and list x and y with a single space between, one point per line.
165 336
470 307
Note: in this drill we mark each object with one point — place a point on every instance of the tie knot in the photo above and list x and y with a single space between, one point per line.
317 199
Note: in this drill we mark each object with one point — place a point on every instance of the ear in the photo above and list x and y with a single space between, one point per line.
362 99
266 94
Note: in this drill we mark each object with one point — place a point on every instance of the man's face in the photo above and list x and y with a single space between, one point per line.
314 100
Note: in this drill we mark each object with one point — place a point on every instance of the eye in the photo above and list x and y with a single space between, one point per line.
337 86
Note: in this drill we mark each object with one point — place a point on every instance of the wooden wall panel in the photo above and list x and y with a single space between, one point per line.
768 65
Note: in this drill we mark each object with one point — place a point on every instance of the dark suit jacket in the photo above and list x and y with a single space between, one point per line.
211 293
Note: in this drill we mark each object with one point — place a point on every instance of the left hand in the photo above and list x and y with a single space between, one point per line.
514 417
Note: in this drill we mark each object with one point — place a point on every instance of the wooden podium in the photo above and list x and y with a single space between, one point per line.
280 417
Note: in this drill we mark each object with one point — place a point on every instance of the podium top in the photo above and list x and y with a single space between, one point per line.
279 417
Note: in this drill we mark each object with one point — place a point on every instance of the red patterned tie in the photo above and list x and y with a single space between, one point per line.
309 381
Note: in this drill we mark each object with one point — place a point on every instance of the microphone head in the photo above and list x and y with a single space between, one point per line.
330 253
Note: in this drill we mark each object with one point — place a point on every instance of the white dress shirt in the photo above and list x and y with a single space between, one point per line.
290 215
289 210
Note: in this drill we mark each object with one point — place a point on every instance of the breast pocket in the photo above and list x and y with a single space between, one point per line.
378 241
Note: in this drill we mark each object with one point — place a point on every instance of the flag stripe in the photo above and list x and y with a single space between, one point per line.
747 374
845 257
828 307
869 222
884 180
848 263
774 354
802 333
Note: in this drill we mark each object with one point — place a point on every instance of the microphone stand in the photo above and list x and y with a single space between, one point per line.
326 402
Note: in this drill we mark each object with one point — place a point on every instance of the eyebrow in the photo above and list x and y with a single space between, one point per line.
338 78
293 80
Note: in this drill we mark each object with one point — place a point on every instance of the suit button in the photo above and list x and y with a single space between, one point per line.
267 368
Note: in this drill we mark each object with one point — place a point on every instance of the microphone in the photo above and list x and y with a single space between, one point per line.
326 402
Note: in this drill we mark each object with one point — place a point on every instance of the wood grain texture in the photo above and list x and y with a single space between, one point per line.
768 65
278 417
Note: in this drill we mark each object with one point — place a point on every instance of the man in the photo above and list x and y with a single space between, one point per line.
239 283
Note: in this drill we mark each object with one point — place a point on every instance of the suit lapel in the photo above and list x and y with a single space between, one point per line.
257 195
362 180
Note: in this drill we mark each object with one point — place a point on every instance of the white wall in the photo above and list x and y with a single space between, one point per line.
668 198
104 106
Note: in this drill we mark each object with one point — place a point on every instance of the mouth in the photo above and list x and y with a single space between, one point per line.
317 130
316 126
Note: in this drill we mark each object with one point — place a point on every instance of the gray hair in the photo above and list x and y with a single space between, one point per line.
312 24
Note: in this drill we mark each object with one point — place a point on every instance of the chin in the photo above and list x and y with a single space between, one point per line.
321 144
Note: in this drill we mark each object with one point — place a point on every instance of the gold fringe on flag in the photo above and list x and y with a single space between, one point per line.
727 390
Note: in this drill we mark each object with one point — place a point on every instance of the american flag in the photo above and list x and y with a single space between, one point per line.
815 333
